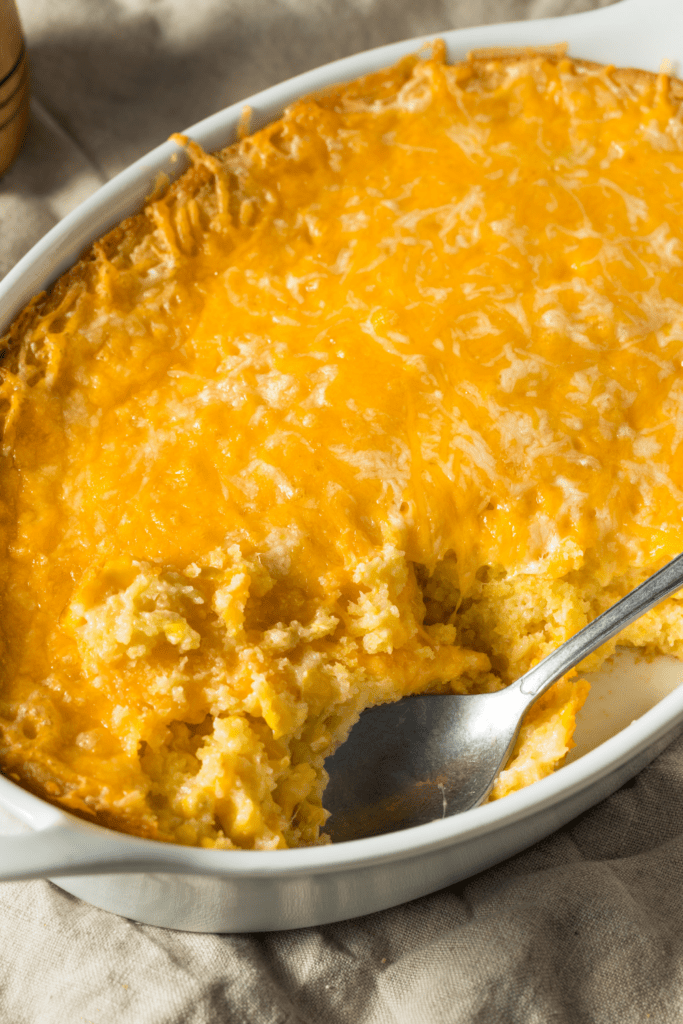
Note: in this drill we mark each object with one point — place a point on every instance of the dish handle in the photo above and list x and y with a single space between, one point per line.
69 846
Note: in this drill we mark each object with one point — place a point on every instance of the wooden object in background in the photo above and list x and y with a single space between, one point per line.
13 84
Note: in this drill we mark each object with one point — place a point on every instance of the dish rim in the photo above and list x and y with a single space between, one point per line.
124 193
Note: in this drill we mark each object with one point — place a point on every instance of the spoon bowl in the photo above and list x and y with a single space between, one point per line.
434 755
406 763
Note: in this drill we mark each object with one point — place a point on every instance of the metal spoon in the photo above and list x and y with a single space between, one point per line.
434 755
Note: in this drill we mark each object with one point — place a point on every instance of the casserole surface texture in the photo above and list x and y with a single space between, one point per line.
387 397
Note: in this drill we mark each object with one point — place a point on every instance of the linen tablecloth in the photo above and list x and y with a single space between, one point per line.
587 926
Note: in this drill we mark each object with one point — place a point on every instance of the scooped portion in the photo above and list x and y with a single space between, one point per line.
385 398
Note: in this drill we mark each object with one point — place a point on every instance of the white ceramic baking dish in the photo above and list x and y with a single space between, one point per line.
235 891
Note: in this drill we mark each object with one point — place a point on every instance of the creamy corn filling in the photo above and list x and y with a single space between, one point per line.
386 397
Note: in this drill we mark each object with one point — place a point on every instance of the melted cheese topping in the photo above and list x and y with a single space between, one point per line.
386 397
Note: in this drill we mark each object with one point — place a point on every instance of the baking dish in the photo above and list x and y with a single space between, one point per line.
206 890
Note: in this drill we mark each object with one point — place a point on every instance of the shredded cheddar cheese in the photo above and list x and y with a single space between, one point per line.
385 397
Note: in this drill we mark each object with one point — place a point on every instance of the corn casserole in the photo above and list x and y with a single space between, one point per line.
386 397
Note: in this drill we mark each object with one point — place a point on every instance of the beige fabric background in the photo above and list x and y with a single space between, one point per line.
586 926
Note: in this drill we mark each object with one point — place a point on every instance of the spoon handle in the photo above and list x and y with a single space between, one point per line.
665 582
